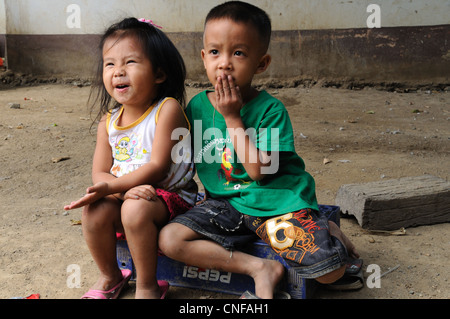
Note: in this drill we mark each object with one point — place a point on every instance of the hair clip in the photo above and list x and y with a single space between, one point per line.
150 22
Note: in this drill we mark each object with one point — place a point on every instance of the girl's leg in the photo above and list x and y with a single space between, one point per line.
142 220
182 243
100 221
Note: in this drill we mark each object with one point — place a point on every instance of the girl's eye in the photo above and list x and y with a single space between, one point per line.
239 53
108 64
131 61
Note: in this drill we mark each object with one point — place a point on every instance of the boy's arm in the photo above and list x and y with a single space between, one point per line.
229 104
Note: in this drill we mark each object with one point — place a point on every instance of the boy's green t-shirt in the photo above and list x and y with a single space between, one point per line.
287 187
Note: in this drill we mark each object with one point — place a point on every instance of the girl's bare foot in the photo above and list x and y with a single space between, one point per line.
148 293
106 283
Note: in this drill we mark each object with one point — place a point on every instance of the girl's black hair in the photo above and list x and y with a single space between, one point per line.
161 52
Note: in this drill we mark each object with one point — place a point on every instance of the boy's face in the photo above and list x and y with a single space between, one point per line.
234 49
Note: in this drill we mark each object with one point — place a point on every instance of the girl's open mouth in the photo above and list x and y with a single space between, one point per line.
122 88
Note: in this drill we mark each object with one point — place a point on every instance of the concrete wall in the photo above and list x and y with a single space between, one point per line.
394 41
51 16
2 29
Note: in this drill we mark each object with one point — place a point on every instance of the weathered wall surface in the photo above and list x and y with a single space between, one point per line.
405 41
2 29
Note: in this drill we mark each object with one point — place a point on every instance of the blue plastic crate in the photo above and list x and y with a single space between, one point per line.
182 275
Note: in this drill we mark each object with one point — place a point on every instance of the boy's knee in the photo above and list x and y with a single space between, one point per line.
167 240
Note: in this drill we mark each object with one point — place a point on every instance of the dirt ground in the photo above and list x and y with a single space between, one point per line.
367 134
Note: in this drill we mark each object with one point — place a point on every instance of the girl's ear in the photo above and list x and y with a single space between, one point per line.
160 76
264 63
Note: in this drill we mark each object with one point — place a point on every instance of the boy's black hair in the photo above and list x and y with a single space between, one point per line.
161 52
243 12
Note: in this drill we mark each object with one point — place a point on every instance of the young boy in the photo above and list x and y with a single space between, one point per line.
254 179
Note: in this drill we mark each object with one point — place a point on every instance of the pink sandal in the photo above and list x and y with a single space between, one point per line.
164 287
113 293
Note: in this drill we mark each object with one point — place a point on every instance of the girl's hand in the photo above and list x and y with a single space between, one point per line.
93 194
228 97
146 192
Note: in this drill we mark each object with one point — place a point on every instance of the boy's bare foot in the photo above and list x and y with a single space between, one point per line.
267 275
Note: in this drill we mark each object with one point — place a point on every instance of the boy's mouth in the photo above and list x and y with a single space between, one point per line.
225 78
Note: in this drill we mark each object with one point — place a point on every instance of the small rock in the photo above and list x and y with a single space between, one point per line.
60 159
14 105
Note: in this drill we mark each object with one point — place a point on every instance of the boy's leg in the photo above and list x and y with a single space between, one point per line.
141 221
100 221
184 244
337 232
351 250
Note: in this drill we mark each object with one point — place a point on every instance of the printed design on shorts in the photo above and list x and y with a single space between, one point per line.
226 170
288 240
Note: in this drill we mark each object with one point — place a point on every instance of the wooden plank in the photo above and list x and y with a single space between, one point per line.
392 204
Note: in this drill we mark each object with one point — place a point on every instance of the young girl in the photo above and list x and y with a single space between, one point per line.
139 182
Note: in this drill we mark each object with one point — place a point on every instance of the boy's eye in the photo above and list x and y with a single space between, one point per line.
239 53
109 64
214 52
131 61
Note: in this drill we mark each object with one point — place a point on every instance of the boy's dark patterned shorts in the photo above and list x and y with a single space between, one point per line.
302 238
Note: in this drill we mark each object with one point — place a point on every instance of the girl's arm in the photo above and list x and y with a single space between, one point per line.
102 162
101 166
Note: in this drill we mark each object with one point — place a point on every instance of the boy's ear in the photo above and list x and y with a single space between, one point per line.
203 57
264 63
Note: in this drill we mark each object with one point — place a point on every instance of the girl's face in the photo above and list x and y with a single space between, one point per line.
128 74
